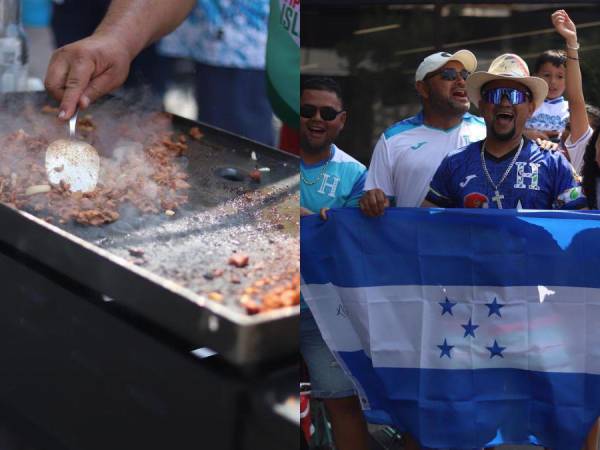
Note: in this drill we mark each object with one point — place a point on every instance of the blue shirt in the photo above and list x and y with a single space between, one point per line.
222 33
336 182
538 180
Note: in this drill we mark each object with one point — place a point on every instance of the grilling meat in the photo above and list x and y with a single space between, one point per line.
146 175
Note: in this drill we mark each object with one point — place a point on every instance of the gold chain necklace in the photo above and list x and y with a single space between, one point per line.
316 180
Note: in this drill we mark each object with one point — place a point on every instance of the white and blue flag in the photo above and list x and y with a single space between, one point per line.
467 328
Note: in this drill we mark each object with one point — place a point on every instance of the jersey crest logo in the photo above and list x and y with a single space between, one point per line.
533 176
329 183
476 200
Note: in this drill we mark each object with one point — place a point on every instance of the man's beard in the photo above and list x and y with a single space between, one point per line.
447 106
491 131
307 147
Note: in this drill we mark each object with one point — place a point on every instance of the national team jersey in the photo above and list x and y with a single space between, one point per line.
552 115
408 153
538 180
334 183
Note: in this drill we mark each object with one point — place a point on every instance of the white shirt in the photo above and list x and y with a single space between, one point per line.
577 149
551 115
409 152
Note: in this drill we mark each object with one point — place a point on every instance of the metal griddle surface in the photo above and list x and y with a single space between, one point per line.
225 215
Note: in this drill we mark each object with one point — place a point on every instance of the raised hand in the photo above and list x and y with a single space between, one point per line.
565 26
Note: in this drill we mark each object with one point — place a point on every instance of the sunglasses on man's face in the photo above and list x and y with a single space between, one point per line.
449 74
327 113
514 96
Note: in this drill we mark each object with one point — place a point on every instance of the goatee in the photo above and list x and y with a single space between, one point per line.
502 136
311 149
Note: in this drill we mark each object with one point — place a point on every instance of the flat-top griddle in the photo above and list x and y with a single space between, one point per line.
167 268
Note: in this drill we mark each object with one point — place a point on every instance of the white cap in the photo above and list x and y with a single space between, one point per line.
437 60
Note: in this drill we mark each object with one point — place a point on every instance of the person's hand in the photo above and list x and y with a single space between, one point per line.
374 202
565 26
547 145
323 213
81 72
305 211
534 135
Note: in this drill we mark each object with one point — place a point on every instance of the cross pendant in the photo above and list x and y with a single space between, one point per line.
497 198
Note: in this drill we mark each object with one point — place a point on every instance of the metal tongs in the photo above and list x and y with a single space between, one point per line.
72 161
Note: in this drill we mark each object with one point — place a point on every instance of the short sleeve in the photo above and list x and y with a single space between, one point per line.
439 189
357 190
380 169
568 194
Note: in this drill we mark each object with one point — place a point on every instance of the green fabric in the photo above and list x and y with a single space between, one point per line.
283 61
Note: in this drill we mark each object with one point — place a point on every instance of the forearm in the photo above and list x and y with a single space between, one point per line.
574 89
138 23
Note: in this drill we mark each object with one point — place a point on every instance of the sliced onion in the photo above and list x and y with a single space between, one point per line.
37 189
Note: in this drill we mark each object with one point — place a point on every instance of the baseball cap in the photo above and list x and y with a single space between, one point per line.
437 60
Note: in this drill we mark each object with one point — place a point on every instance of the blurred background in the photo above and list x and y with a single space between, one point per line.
373 50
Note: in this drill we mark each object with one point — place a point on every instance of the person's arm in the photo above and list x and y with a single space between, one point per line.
81 72
427 204
357 188
440 191
379 181
574 87
534 135
568 193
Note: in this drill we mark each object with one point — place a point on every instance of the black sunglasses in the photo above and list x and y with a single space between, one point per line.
449 74
327 113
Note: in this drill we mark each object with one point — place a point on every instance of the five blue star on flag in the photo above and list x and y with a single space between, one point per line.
496 350
470 328
494 308
447 306
445 348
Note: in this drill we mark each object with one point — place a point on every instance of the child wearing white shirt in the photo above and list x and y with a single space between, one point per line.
549 120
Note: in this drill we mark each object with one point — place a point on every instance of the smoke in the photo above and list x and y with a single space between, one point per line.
138 150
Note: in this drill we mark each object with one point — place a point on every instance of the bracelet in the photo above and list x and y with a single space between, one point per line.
574 59
573 48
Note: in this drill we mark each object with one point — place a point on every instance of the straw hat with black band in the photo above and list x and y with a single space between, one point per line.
507 67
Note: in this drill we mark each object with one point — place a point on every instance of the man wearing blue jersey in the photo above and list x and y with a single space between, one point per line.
408 153
328 178
505 170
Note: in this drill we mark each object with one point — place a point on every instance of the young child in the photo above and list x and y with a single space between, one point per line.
549 120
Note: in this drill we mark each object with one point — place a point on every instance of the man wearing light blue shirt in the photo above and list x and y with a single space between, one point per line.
329 178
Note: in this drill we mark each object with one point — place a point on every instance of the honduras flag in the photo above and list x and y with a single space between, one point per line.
467 328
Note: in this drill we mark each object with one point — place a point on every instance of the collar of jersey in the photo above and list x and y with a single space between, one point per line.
445 130
320 163
504 157
555 100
